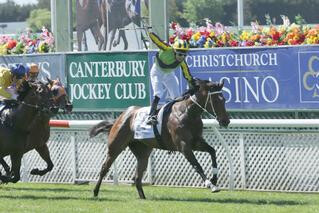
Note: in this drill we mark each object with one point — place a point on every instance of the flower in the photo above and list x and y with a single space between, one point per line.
211 36
11 44
27 43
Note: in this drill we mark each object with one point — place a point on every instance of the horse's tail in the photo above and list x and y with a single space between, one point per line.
103 126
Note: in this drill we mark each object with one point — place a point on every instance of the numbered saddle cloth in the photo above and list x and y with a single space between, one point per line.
143 130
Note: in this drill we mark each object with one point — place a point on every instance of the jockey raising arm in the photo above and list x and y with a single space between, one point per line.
167 60
11 78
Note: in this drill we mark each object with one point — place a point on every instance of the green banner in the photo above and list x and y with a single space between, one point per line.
108 81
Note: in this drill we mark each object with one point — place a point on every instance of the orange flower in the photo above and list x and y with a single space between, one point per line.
11 44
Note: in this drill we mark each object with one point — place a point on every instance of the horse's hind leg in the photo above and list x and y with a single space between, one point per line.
104 170
45 155
116 146
142 153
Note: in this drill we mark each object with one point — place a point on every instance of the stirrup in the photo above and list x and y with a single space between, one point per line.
152 120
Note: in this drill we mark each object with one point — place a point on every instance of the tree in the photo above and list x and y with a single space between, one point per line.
44 4
197 10
39 18
11 12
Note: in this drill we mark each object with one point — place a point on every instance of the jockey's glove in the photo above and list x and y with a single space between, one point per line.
192 83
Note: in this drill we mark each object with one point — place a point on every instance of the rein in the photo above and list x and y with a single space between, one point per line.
35 106
206 102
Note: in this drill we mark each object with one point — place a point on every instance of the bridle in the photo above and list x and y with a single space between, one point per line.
37 107
60 93
208 100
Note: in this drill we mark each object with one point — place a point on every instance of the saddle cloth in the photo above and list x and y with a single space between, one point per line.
143 130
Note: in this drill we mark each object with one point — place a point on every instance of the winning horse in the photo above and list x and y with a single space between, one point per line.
181 131
39 133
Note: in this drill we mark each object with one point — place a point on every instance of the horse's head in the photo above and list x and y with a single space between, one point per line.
34 94
210 94
59 96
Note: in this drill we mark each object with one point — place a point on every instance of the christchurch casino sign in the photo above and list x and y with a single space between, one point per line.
262 78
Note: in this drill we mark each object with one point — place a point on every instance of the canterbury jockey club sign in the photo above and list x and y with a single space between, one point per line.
108 81
280 78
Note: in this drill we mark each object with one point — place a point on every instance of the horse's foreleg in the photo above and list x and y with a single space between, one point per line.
45 155
5 166
79 38
142 153
189 155
99 39
112 38
122 34
16 165
204 147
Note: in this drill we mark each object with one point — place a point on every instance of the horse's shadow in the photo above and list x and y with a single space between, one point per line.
231 201
32 197
57 190
61 190
281 202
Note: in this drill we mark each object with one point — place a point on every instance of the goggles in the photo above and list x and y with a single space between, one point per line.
182 54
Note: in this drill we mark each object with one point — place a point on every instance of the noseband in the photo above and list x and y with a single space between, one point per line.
37 107
208 99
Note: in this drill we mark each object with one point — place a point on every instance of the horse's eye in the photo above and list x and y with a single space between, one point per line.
55 92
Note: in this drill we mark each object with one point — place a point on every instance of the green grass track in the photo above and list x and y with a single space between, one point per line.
35 197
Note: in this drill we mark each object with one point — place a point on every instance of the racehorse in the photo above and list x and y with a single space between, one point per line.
119 14
181 131
88 17
40 129
37 131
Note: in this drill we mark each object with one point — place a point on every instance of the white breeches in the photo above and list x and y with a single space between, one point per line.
161 80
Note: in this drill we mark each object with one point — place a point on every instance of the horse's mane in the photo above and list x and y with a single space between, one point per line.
25 87
192 90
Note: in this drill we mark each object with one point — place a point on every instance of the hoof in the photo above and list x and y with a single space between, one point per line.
214 189
211 186
34 172
207 183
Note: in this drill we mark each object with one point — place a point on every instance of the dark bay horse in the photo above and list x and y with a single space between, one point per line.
14 128
38 131
115 15
88 17
181 131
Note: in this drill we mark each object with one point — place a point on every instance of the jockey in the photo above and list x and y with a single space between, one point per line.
167 60
34 72
10 79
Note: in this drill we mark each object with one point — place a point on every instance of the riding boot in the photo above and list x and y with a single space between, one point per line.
152 118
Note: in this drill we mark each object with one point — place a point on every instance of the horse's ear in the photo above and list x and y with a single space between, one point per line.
49 81
221 84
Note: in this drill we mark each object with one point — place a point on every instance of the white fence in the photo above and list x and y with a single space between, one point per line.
264 154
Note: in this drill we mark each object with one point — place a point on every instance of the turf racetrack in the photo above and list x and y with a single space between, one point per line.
32 197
